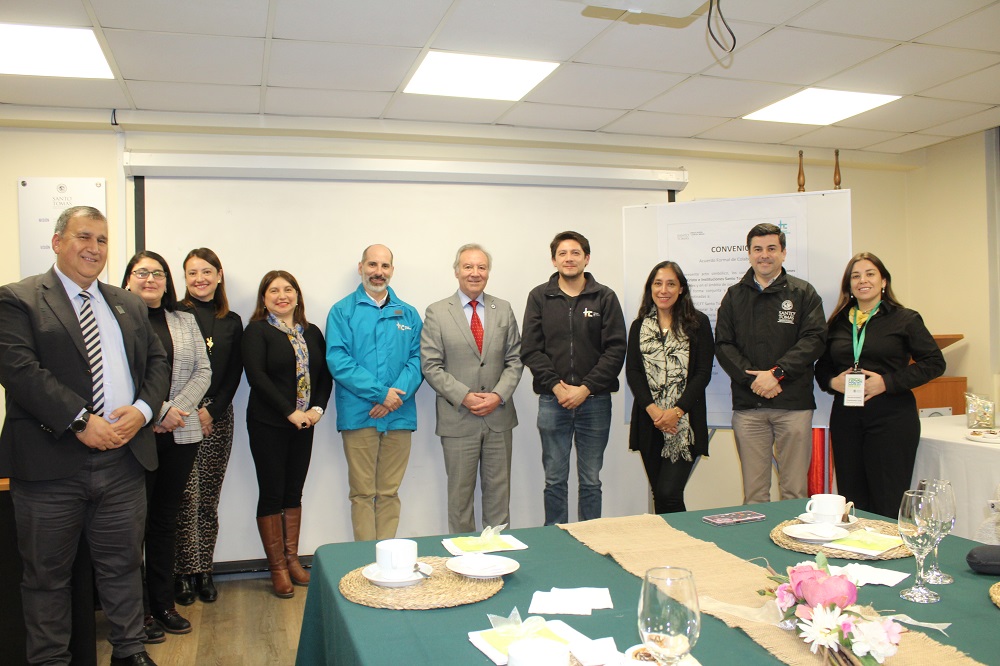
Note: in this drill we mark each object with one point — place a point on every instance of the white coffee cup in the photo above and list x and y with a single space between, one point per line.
537 652
396 558
825 508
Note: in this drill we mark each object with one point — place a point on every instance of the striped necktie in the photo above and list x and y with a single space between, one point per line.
92 340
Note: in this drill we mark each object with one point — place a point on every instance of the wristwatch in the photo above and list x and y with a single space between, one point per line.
80 424
778 373
317 409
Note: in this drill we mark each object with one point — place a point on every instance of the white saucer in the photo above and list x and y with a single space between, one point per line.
820 533
483 566
808 519
374 574
991 435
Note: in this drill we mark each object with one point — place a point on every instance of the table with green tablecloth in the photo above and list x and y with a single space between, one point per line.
337 631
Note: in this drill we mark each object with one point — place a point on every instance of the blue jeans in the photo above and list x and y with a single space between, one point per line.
590 423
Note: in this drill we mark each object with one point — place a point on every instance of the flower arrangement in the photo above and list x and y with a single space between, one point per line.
822 608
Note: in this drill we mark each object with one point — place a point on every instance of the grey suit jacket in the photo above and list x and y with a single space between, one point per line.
46 373
190 376
453 366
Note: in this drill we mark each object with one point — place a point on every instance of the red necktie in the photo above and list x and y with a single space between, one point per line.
477 326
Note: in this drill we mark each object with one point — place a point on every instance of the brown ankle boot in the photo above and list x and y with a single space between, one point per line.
270 536
293 519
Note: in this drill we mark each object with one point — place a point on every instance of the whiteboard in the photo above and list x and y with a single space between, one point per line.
317 230
708 239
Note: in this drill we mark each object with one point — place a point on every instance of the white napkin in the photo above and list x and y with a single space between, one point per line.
575 601
863 574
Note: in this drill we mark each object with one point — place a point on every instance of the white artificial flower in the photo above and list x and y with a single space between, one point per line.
871 638
823 630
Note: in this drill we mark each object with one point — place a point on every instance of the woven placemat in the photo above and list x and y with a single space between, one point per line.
443 589
995 594
788 543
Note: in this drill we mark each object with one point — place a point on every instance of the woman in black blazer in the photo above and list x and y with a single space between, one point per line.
285 361
668 366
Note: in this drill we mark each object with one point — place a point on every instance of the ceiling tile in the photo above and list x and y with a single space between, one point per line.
910 68
911 114
977 122
662 124
755 131
908 142
978 31
385 22
843 138
888 19
52 91
800 57
445 109
555 116
518 29
662 48
237 18
719 97
158 56
325 103
602 87
295 64
982 86
50 12
773 12
199 97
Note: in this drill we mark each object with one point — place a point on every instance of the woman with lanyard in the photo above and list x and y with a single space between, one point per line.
874 426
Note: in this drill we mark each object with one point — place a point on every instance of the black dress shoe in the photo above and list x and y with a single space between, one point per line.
153 632
137 659
207 591
172 622
184 590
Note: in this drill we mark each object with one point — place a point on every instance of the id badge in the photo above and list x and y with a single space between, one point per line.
854 389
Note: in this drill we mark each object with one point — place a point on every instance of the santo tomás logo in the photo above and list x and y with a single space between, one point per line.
786 315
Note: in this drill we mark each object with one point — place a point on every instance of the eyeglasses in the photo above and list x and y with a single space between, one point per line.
144 274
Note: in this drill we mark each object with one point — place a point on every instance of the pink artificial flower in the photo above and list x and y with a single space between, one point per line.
784 597
804 612
893 630
800 574
837 590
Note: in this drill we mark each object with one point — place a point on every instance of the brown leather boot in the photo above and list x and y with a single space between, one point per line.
293 519
270 536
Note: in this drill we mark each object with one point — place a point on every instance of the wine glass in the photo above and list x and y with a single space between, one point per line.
918 526
669 617
946 504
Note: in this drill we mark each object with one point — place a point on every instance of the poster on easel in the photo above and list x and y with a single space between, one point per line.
39 204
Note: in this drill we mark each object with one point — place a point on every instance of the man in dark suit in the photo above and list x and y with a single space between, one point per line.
84 373
470 350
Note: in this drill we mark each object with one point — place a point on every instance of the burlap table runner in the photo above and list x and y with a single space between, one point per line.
639 543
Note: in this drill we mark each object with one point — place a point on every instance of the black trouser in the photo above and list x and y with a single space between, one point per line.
281 457
874 450
164 491
667 479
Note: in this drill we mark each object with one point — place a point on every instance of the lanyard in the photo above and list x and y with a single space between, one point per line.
857 340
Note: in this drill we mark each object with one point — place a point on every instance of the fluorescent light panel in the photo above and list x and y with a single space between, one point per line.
32 50
816 106
478 77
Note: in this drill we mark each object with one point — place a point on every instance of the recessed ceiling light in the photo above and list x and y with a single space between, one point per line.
478 77
33 50
815 106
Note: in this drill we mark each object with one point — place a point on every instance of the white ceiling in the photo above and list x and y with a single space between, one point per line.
620 73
